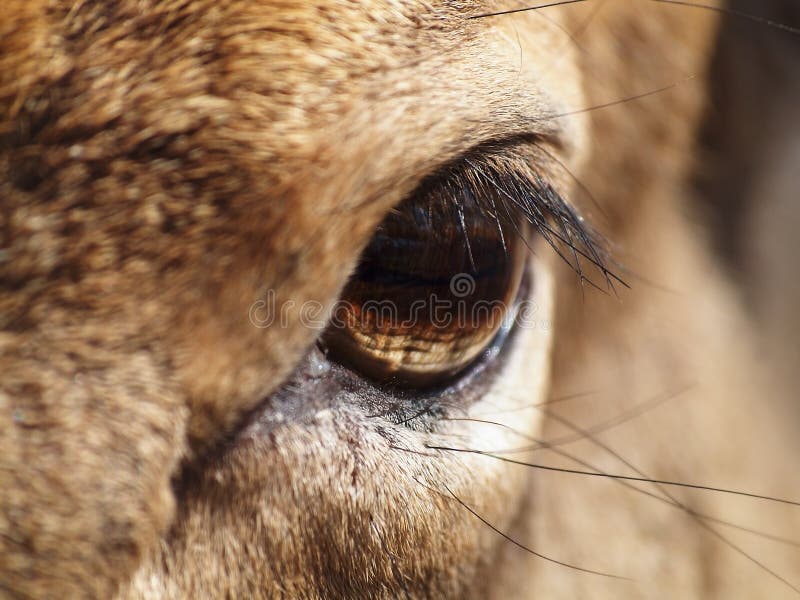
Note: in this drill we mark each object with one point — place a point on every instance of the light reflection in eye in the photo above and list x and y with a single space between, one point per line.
436 284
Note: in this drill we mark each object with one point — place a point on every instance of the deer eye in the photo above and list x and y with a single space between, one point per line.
435 289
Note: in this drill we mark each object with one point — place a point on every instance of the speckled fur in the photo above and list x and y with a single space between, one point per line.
163 163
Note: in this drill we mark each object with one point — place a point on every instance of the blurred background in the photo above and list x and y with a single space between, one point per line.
751 178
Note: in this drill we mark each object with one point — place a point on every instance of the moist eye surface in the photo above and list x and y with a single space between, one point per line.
433 289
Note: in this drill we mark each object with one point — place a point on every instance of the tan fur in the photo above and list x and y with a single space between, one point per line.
164 164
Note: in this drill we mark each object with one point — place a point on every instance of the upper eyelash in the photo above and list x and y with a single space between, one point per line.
511 195
559 223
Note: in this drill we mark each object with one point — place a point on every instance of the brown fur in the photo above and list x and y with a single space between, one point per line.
163 164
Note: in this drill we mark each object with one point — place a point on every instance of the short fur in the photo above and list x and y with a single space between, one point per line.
164 163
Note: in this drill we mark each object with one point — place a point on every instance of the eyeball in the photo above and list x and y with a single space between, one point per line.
434 289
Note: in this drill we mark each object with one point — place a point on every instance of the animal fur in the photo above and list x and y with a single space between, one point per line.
165 163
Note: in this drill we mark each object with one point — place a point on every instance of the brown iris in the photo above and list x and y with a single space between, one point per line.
433 289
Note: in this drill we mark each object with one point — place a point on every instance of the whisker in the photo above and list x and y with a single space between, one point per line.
666 499
728 12
538 405
692 486
410 451
620 419
529 8
624 417
732 12
621 101
670 500
573 37
526 548
699 518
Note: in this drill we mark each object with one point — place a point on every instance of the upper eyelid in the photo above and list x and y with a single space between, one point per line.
510 188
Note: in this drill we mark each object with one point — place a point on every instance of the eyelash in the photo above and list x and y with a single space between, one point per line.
512 195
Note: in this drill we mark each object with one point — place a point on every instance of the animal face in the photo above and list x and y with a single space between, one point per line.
345 299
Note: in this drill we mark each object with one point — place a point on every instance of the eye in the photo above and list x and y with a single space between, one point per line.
435 289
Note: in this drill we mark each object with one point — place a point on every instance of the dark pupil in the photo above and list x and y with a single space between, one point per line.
432 290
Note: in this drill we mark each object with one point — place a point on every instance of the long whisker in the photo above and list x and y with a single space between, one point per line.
626 416
692 486
729 12
669 499
573 38
621 101
699 518
529 8
620 419
732 12
538 405
526 548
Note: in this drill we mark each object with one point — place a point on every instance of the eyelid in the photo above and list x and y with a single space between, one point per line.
503 177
